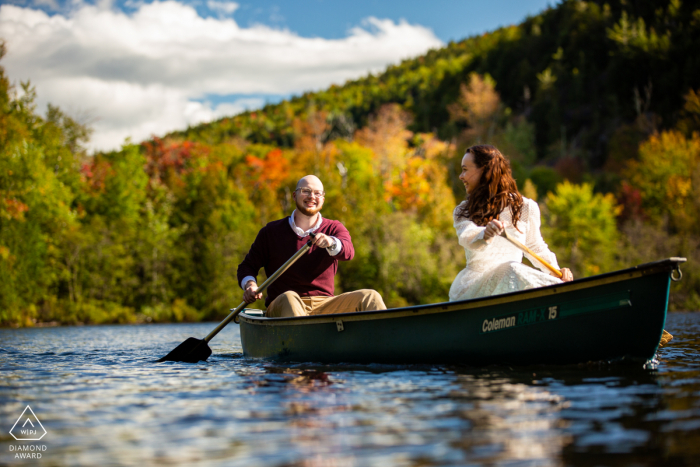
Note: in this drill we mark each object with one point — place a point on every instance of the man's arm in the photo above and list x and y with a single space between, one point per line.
248 269
347 251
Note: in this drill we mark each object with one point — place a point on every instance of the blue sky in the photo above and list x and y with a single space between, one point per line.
331 19
449 19
135 68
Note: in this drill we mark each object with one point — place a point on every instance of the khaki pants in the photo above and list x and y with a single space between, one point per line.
291 304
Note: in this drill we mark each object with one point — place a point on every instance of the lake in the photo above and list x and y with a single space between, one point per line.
103 401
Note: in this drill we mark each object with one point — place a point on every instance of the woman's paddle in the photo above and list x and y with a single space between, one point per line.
194 350
512 240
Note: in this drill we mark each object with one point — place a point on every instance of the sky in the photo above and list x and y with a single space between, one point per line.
133 69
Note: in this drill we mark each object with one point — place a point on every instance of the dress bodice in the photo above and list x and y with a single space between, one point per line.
482 255
495 266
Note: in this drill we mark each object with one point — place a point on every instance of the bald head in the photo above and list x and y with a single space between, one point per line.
310 181
312 202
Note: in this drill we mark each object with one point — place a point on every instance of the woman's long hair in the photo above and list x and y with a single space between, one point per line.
496 191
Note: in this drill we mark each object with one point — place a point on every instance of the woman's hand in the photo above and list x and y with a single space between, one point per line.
494 229
566 275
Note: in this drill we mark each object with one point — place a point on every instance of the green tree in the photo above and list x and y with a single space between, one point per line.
580 228
35 207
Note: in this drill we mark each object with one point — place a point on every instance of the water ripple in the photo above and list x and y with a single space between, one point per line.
104 401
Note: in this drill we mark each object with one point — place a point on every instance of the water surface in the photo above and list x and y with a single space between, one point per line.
103 401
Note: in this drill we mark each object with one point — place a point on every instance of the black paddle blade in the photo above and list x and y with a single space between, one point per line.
190 351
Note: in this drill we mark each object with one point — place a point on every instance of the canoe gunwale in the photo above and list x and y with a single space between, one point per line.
665 265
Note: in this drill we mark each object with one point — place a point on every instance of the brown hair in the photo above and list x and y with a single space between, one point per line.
496 191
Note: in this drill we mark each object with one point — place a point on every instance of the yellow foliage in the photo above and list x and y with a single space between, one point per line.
692 102
664 176
478 100
529 190
678 189
546 79
477 105
386 135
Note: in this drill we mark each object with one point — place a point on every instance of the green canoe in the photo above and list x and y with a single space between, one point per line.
610 317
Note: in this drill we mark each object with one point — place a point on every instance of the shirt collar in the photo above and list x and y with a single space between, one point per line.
298 230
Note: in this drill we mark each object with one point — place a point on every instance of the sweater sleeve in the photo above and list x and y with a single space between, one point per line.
255 259
348 250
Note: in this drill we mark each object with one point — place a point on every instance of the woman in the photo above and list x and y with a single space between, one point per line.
493 203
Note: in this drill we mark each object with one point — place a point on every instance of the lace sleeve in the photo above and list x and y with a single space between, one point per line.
533 237
469 234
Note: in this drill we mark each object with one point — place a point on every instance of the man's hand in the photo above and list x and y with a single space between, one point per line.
323 241
251 292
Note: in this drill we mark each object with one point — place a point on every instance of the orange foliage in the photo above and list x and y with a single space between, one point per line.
15 209
163 159
421 182
95 175
411 189
269 172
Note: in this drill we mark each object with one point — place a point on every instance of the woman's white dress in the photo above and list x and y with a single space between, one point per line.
495 266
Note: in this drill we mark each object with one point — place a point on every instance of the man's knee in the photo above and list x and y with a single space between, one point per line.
371 300
285 305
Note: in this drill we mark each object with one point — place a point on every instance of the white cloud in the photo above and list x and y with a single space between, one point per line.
147 73
224 8
50 4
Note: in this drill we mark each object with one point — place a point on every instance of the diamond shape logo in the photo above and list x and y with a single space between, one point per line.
28 427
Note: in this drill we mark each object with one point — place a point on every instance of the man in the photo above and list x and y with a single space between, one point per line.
307 287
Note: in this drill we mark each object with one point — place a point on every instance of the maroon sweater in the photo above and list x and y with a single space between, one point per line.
313 274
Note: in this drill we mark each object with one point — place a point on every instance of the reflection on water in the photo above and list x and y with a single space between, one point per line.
104 402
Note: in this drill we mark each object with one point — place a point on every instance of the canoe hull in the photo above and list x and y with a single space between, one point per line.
617 316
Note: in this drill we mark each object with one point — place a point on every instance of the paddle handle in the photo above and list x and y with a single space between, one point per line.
262 288
512 240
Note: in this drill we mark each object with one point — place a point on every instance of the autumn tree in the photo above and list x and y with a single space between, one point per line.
667 175
477 107
387 136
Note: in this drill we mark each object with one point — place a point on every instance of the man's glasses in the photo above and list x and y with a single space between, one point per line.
309 192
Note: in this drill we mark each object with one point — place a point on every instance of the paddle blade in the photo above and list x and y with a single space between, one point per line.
190 351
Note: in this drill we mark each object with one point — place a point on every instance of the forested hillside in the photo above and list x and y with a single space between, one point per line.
580 73
596 103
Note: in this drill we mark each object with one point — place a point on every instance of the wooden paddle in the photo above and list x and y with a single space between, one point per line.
512 240
666 337
194 350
